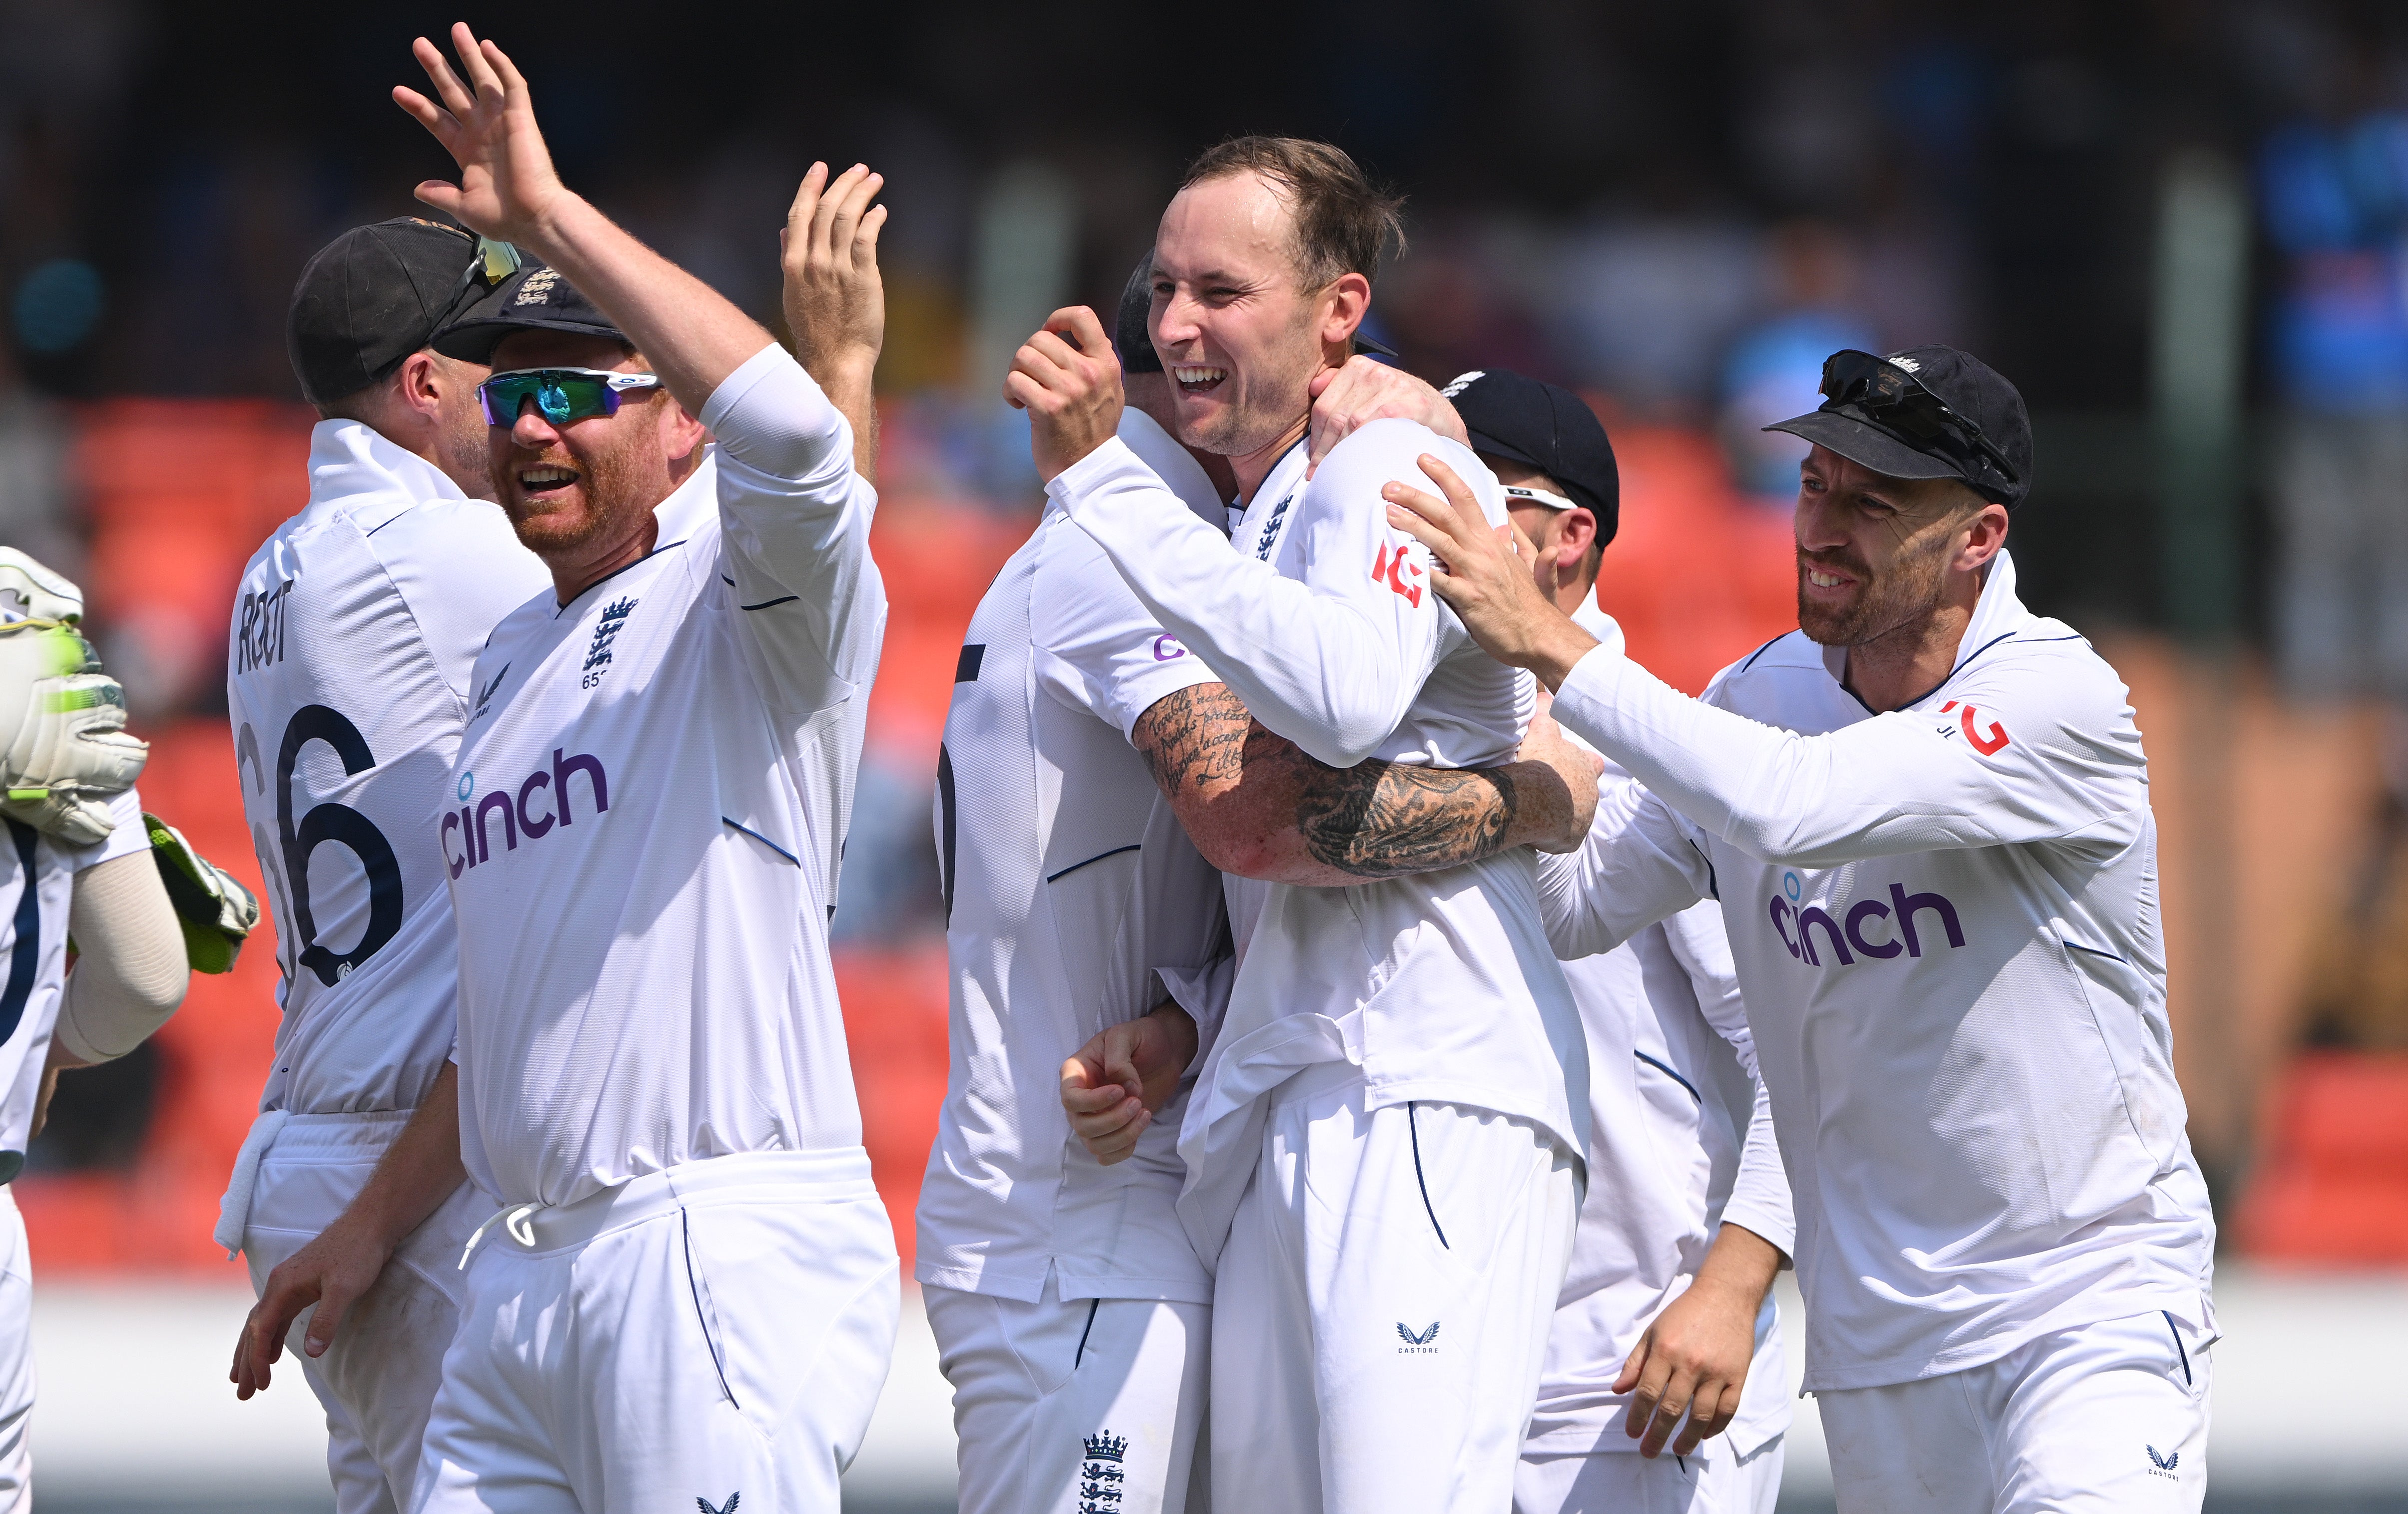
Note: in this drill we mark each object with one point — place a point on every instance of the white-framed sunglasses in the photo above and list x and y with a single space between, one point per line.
1519 494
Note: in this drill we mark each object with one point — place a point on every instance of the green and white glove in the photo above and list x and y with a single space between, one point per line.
63 749
217 912
38 593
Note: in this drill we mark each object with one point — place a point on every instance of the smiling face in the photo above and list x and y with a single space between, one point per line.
1876 555
578 491
1238 335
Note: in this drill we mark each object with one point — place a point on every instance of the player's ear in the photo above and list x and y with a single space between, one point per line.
682 434
1985 533
420 382
1344 304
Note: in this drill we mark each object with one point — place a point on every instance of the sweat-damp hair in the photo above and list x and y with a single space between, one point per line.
1344 222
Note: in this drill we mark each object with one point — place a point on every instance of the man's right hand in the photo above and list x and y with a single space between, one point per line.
331 1272
1345 400
508 188
1068 378
1122 1077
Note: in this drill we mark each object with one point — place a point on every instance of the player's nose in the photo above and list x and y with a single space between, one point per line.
531 430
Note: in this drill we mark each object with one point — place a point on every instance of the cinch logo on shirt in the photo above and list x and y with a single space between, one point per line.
473 819
1894 920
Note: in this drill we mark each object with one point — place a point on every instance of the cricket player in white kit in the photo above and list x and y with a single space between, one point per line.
690 1295
1926 817
74 855
1387 1131
1071 1313
1687 1216
347 681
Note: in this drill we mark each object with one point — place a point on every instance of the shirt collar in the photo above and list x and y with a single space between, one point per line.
1998 613
1591 619
352 463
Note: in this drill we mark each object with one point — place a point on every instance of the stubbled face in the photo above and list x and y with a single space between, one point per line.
1239 337
1872 550
569 489
465 451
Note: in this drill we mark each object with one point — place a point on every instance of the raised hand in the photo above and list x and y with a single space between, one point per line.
507 189
836 305
1068 378
1345 400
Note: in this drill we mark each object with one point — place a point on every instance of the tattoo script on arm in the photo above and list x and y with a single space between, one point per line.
1372 821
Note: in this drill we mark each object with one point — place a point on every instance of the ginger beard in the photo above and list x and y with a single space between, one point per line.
610 478
571 488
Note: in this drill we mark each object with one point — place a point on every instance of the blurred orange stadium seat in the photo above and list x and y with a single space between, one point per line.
1697 577
2333 1185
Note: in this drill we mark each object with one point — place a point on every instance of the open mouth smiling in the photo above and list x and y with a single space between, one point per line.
1197 379
541 481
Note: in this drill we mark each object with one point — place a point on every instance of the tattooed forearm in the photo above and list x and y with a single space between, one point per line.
1194 738
1384 819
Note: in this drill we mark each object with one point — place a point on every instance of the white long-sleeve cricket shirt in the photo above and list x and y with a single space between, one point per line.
1944 920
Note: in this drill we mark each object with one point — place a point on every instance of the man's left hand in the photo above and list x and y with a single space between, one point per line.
1484 573
1068 378
1692 1360
1345 400
836 305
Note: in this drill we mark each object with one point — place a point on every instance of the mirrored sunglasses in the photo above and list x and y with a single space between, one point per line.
560 395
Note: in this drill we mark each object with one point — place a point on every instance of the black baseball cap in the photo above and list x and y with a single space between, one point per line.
1526 420
534 298
1917 426
371 297
1135 348
1128 330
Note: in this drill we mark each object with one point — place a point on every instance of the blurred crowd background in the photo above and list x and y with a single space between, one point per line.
2182 228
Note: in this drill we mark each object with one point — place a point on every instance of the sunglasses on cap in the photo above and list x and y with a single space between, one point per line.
1517 493
495 261
560 395
1887 395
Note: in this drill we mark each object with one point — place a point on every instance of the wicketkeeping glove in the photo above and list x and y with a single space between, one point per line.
39 594
62 744
218 912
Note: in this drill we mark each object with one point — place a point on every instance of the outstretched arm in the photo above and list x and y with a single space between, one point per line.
2024 753
1256 806
692 335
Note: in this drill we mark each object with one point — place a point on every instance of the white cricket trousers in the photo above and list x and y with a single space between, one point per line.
16 1359
377 1380
1380 1311
1709 1480
2111 1416
1059 1403
712 1334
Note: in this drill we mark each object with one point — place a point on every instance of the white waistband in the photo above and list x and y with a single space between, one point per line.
338 1137
836 1174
